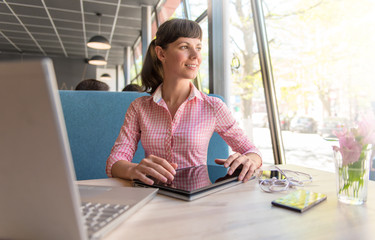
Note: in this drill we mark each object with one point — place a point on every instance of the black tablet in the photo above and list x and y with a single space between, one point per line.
195 182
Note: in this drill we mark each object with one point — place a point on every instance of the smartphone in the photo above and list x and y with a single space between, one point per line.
300 200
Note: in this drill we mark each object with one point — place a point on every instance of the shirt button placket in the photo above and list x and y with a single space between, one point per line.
169 143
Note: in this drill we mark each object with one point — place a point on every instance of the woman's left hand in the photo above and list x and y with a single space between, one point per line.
250 162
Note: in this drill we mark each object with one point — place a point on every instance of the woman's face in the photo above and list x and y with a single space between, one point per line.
181 59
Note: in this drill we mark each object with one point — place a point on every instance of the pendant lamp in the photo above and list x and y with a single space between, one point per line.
98 41
105 76
97 60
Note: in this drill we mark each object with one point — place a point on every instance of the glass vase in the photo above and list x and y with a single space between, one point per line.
352 179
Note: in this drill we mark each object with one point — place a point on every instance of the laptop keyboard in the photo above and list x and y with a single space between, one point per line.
98 215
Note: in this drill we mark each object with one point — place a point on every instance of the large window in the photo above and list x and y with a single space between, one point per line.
247 95
323 65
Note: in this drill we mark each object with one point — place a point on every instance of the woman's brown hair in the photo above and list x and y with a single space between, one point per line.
168 32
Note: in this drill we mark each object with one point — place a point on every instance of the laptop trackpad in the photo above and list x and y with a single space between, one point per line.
115 195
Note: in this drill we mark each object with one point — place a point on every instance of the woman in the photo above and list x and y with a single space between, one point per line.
176 122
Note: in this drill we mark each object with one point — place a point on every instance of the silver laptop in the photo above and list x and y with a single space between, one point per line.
39 198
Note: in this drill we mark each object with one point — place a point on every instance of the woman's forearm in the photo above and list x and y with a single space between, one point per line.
122 169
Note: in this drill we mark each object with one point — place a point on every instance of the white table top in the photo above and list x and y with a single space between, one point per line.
245 212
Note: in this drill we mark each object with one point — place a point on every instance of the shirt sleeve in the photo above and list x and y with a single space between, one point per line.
227 127
127 141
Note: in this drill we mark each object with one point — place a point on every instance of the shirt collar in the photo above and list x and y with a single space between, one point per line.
157 94
194 92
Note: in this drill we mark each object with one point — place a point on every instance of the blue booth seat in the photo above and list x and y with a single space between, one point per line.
93 120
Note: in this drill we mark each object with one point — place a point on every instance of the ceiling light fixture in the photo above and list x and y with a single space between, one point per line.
97 60
98 41
105 76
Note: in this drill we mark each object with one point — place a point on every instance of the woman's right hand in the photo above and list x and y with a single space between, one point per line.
155 167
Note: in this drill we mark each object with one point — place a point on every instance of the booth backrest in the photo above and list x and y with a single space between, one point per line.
93 120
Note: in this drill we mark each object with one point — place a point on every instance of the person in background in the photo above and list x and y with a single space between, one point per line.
176 122
132 87
92 84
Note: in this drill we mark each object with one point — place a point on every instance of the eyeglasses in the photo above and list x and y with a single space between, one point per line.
288 179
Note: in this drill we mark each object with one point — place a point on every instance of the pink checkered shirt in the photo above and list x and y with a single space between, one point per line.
184 139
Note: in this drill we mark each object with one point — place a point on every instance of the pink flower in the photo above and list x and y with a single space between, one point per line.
349 148
366 129
348 155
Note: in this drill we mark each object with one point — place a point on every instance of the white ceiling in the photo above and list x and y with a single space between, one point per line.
62 27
